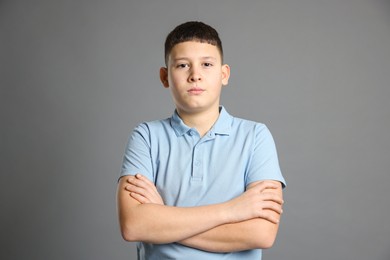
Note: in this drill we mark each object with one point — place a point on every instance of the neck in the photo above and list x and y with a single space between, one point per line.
201 121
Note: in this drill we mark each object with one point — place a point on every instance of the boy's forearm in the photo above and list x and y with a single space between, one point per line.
244 235
250 234
163 224
158 224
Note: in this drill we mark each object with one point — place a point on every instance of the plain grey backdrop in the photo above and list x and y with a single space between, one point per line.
77 76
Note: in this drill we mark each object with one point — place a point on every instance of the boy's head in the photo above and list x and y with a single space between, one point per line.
192 31
194 70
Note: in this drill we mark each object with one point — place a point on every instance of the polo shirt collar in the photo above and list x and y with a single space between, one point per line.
178 124
222 126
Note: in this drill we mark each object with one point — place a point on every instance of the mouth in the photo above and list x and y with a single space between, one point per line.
195 91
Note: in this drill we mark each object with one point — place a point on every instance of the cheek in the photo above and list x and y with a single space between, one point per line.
217 80
176 79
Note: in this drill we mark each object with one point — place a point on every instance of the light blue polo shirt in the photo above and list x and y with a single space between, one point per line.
192 171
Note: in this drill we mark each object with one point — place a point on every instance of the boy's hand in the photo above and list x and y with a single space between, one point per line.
261 200
143 190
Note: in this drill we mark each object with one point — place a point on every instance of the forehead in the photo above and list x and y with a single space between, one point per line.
194 50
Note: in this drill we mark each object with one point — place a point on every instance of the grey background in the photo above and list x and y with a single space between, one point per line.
77 76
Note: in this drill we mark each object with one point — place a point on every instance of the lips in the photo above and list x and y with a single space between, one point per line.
195 91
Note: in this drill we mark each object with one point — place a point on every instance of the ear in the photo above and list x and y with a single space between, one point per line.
225 74
164 77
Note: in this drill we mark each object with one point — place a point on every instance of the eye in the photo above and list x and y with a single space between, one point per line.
182 65
207 64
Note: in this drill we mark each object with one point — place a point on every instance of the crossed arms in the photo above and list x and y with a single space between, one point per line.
246 222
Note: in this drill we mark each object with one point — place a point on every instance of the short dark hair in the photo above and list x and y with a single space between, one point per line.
192 31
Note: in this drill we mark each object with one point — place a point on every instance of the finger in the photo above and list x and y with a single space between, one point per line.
139 190
134 188
130 178
270 216
267 185
139 176
151 195
141 199
143 186
146 181
268 205
268 196
146 199
138 182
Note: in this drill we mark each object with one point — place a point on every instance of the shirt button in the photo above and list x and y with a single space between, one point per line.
197 163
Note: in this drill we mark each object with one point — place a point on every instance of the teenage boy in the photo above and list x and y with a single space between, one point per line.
201 184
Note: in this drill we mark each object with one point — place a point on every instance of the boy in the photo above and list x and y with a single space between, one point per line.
201 184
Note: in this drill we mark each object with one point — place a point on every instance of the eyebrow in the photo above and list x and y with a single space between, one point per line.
202 58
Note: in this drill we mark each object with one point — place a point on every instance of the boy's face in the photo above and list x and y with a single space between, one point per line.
195 76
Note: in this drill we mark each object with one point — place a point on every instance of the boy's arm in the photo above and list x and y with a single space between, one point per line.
257 232
249 234
246 235
156 223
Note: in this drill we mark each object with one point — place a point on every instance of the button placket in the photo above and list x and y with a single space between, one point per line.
197 169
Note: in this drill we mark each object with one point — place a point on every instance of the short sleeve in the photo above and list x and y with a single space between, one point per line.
264 163
137 158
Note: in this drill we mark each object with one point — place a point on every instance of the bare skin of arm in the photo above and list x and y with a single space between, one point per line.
236 234
249 234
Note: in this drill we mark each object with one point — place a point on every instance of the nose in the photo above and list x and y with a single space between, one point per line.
194 75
